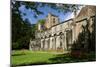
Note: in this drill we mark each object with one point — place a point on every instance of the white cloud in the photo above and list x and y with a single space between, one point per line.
69 16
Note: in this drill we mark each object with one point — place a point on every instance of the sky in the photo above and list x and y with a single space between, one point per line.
30 14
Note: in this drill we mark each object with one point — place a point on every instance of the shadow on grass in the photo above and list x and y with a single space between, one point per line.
65 58
62 58
17 54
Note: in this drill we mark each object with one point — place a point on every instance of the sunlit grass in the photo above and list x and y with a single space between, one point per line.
26 57
30 57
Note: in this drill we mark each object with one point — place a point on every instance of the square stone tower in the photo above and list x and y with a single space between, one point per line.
51 20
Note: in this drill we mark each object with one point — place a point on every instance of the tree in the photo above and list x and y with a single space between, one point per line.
58 7
21 30
85 43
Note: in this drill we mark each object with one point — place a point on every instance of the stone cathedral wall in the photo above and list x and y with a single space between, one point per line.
61 36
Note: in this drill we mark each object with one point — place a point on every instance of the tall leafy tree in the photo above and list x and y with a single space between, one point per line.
21 30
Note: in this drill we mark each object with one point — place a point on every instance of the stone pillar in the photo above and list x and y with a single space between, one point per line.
50 43
46 44
67 39
41 44
53 43
30 46
70 39
73 33
57 42
65 43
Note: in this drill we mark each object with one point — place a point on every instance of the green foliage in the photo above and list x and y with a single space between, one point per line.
42 21
21 30
33 29
21 36
93 36
35 5
86 41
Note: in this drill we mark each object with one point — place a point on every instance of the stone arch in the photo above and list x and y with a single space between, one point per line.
60 33
42 44
68 38
54 41
48 43
41 37
45 36
61 41
54 34
49 35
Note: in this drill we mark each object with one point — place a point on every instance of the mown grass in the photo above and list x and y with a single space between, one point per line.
26 57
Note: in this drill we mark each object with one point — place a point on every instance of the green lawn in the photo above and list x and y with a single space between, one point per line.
29 57
26 57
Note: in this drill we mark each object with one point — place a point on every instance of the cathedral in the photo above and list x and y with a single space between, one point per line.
56 35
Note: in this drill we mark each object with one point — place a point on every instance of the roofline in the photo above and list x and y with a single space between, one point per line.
62 22
85 18
52 15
